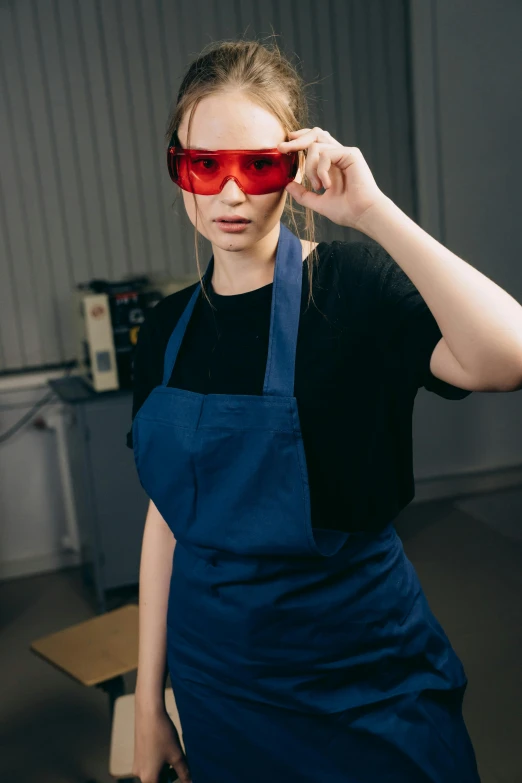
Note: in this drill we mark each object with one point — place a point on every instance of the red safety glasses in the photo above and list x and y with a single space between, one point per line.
255 171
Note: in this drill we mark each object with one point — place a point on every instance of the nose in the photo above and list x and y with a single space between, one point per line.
231 192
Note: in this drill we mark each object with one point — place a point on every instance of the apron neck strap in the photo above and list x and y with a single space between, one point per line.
284 318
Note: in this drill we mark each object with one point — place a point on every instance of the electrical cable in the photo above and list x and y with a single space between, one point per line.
25 418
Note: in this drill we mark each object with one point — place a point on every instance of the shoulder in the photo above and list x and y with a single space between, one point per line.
348 263
165 315
366 266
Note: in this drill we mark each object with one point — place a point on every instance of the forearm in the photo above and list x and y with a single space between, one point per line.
155 573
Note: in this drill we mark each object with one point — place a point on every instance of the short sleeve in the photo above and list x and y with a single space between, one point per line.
147 365
418 342
409 330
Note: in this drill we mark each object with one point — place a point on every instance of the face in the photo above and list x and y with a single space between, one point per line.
233 121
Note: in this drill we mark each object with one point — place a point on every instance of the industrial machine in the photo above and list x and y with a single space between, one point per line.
108 317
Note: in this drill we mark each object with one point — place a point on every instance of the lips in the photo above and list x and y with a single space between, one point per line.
232 226
232 220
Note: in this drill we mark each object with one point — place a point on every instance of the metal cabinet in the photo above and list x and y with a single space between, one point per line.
110 504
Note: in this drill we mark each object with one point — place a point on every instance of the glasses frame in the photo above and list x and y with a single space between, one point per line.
175 151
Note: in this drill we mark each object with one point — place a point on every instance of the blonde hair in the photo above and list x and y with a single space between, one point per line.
265 75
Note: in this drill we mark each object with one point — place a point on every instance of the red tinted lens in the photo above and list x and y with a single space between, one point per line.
256 171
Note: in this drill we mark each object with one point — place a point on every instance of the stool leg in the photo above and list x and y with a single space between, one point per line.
115 687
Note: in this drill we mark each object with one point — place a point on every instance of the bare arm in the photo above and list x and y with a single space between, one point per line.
155 572
156 739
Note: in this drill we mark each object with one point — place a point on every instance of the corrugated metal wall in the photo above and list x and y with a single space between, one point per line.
85 90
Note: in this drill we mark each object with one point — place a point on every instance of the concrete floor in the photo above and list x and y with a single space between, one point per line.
468 556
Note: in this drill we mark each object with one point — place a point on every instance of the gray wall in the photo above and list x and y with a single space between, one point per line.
85 88
466 66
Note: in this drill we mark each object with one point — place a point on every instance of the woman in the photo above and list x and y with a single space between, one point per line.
272 433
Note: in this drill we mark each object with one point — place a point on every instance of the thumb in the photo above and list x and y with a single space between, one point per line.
303 196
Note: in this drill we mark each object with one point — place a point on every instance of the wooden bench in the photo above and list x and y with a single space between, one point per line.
98 651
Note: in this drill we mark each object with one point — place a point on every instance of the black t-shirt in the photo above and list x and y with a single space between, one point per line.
359 364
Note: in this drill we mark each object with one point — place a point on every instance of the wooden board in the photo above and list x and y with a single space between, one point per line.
122 738
97 649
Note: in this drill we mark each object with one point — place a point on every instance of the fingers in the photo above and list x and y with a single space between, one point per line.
323 167
318 162
305 136
316 156
182 770
175 771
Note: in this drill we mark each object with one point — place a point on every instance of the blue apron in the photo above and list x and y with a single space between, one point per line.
296 653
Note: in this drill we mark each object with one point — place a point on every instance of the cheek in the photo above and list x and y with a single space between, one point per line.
272 202
190 206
